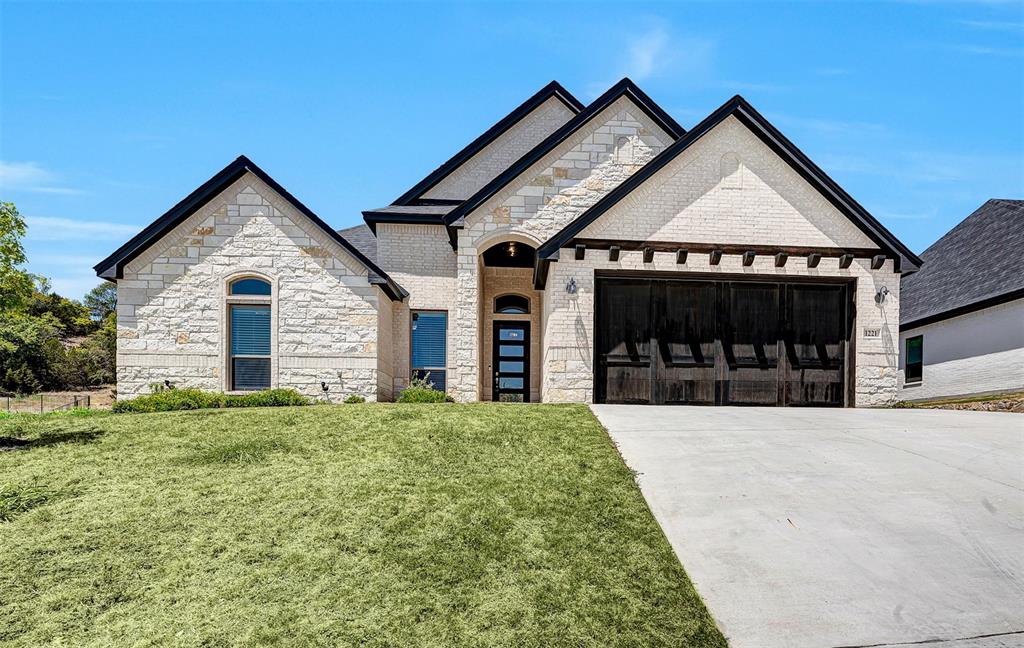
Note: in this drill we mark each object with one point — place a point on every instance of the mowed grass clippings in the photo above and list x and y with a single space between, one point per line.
370 525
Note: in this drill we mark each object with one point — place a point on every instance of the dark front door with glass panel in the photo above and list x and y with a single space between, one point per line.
511 362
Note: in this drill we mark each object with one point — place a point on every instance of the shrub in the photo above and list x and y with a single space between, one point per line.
189 399
420 390
355 398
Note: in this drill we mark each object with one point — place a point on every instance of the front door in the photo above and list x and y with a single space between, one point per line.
511 362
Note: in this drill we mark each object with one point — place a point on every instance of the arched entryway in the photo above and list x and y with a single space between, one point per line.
510 323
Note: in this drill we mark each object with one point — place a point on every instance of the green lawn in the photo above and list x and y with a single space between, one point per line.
358 525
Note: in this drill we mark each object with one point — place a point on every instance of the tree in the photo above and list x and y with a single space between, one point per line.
101 300
16 285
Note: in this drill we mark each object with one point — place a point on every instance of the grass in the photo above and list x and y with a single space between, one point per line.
379 525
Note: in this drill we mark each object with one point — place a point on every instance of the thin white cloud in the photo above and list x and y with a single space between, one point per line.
75 286
995 25
31 176
984 50
46 228
648 53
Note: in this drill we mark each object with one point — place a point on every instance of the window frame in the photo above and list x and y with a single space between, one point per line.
526 299
919 374
230 301
413 369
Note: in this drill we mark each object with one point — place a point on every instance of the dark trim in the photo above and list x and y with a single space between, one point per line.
374 217
726 248
981 304
757 124
613 253
113 266
780 259
670 275
748 258
624 88
553 89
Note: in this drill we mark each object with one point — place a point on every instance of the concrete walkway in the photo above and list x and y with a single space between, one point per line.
822 528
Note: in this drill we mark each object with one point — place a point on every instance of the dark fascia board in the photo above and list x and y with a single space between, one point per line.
374 217
553 89
623 88
982 304
112 267
906 260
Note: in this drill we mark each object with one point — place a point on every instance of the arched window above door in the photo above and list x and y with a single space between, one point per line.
512 305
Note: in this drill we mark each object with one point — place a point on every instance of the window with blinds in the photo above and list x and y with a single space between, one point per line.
430 346
250 347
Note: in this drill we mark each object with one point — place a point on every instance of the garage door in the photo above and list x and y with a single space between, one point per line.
712 342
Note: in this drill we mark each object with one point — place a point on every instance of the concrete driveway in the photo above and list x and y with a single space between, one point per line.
823 528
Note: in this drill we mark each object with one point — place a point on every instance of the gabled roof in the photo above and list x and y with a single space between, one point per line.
739 107
977 264
553 89
113 266
624 88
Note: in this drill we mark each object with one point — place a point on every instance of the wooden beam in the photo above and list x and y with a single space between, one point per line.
613 253
813 259
748 257
681 256
648 254
581 251
877 261
780 259
716 257
845 261
725 248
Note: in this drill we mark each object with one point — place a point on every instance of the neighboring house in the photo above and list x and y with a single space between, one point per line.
962 321
571 253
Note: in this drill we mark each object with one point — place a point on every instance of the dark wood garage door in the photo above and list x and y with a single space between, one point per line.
713 342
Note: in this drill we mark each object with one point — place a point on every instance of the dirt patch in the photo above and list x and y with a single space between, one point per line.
1013 403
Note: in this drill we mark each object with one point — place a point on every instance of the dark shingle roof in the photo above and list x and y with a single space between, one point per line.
979 260
363 239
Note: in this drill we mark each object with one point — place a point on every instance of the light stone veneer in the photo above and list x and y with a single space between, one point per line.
727 188
575 175
503 151
172 314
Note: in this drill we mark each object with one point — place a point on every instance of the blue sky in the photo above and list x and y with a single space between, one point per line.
111 113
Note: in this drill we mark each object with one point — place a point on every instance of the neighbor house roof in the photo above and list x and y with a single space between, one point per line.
624 88
113 266
977 264
553 89
739 107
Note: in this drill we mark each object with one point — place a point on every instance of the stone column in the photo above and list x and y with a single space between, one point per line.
464 384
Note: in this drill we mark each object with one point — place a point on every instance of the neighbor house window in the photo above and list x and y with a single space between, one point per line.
512 305
249 321
430 346
915 359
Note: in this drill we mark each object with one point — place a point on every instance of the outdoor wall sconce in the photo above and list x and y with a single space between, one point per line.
570 288
323 386
881 294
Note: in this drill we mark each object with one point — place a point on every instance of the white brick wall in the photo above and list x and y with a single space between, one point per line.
728 188
171 302
503 151
421 260
974 353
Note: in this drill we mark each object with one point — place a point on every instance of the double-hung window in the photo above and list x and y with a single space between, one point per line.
430 347
914 369
249 319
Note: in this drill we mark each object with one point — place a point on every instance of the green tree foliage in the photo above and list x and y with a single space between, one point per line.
41 345
15 284
101 300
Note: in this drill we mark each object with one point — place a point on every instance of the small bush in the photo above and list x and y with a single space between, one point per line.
420 390
191 399
355 398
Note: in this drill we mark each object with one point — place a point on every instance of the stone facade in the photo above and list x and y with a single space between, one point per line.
558 188
172 301
502 152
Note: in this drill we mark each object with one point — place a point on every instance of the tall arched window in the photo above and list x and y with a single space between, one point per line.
249 334
511 305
